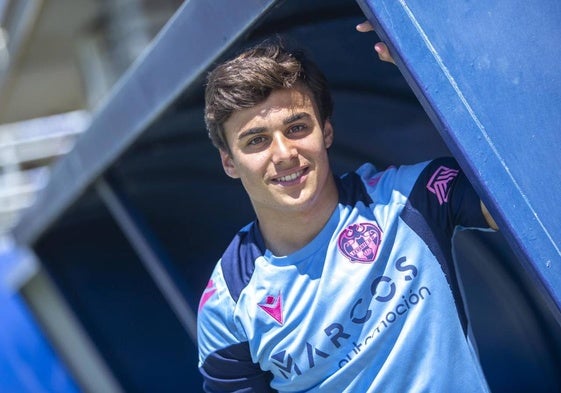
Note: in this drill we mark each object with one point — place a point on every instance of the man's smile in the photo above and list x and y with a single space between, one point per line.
291 178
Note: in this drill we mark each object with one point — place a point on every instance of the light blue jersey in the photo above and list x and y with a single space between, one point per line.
372 304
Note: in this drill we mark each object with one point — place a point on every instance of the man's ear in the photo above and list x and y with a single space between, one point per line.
328 135
228 164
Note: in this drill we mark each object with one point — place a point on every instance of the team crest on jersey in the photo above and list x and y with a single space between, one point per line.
360 242
439 183
273 307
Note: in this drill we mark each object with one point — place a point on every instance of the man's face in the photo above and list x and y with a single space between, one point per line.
278 149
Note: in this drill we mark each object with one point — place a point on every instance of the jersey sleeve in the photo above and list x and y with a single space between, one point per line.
445 197
224 356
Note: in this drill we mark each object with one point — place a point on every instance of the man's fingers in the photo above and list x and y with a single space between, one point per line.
383 52
380 47
364 27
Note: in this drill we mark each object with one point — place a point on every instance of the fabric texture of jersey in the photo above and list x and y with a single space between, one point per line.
371 304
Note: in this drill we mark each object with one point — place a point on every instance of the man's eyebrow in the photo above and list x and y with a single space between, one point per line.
296 117
251 131
259 130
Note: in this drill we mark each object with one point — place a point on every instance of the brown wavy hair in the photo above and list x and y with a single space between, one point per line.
249 78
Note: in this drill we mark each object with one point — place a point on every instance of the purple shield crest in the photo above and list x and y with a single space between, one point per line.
360 242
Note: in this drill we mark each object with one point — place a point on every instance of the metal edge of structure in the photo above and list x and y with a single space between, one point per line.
198 33
477 155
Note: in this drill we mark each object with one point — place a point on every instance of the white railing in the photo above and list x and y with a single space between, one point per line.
27 149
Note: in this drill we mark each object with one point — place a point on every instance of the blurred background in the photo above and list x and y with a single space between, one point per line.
114 208
58 60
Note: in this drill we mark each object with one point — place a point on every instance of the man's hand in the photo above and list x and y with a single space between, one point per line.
380 47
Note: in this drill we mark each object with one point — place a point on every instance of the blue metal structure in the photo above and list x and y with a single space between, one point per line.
137 214
491 83
27 360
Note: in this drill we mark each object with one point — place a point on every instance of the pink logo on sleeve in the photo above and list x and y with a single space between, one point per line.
273 306
439 183
207 294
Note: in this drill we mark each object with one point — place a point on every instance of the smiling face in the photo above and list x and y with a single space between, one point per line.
278 149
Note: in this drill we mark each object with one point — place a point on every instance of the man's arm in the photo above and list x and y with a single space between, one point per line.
488 217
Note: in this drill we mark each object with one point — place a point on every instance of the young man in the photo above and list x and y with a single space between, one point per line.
340 284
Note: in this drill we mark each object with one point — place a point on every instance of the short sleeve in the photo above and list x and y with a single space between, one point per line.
445 197
224 356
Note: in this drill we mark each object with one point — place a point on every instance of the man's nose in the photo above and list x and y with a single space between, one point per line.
283 149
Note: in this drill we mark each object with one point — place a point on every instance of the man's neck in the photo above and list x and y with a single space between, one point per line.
285 233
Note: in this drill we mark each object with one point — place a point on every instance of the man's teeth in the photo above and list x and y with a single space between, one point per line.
291 177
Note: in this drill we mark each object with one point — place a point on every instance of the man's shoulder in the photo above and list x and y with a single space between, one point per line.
368 183
238 260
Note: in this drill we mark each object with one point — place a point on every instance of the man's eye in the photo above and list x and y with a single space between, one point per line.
297 128
257 140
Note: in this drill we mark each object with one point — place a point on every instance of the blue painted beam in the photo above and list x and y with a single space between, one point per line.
489 77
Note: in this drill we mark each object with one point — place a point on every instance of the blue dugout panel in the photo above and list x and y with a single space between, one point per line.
489 77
